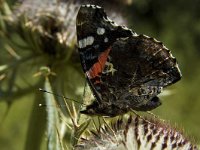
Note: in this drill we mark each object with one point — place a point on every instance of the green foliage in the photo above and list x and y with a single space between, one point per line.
34 54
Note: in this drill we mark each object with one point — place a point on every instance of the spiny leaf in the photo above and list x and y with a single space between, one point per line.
80 130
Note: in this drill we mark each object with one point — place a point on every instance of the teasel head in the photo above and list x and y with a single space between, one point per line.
135 133
42 33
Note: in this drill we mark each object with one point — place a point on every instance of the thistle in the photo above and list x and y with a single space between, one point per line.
135 133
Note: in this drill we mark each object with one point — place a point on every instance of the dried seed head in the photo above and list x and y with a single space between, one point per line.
51 18
57 19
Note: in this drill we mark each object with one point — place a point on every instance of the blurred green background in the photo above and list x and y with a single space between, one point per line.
175 23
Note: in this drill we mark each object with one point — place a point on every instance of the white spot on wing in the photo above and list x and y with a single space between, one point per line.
114 23
110 21
100 31
81 44
106 40
86 41
93 6
90 40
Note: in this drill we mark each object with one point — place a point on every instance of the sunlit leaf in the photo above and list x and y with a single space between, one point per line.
52 119
3 67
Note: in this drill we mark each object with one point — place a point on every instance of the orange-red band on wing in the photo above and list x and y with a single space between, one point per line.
98 67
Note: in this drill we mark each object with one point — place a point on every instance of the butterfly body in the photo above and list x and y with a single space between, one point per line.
124 70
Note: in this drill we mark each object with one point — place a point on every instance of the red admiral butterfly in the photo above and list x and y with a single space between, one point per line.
124 70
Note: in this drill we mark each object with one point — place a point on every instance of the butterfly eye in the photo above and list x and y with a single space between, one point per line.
100 31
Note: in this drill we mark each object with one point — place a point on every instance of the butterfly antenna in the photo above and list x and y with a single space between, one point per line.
58 95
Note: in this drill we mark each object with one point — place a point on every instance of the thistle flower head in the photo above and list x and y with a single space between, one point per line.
135 133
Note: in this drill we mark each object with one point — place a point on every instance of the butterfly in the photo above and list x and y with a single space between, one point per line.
125 71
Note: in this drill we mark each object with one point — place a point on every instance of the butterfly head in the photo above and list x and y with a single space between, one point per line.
106 110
